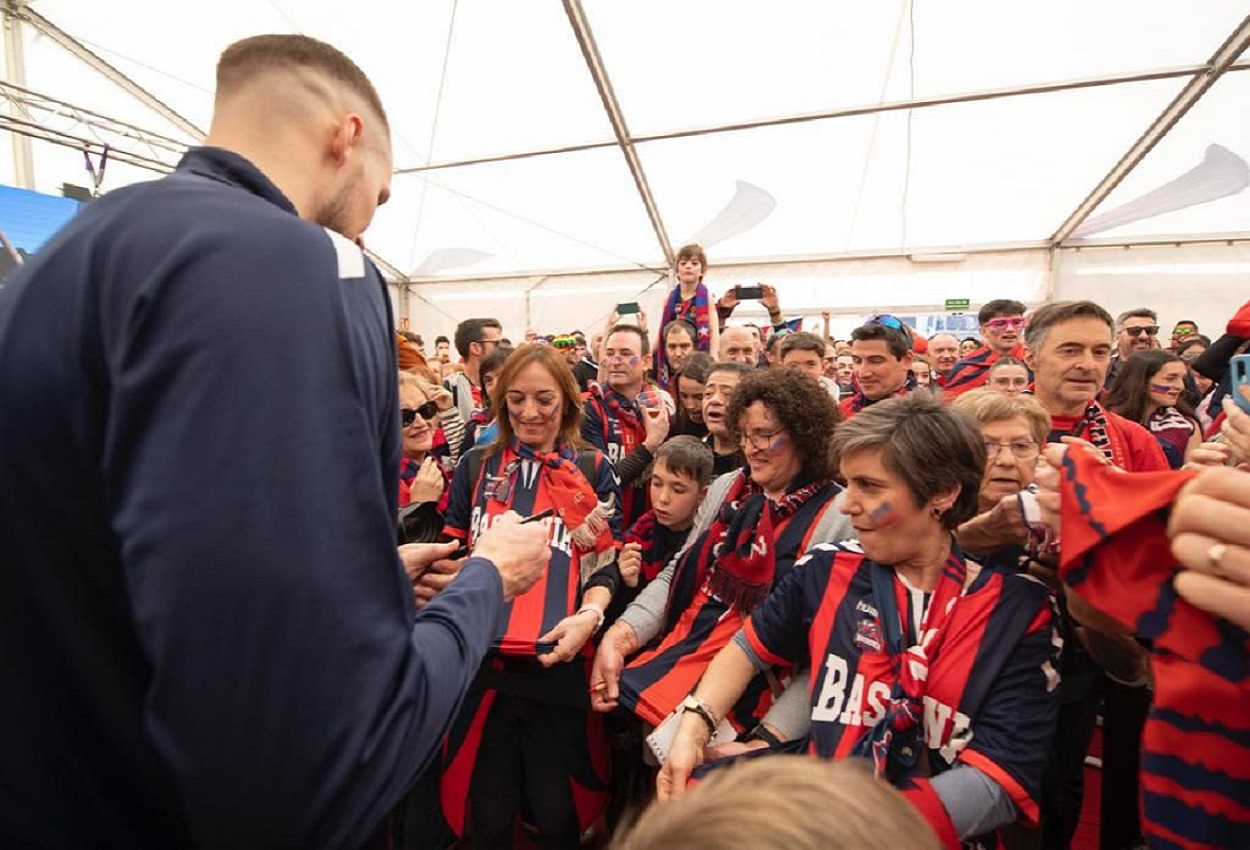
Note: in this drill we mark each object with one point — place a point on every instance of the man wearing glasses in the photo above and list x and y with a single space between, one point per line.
1002 330
1135 330
475 338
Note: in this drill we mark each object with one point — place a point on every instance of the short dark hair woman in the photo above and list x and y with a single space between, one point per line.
937 670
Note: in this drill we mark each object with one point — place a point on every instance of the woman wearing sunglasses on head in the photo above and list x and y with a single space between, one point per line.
524 738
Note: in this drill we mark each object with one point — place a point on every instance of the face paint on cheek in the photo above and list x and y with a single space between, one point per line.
1161 388
776 447
883 515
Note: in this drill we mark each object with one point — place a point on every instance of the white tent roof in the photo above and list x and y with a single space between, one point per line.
713 95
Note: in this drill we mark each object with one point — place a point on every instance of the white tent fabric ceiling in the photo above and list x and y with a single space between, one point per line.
477 79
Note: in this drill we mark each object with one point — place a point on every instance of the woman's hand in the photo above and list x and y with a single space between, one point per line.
605 674
569 636
630 563
1210 533
1208 454
683 757
441 396
429 484
1236 427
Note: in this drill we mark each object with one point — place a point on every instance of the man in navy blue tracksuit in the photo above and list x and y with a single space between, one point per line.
206 635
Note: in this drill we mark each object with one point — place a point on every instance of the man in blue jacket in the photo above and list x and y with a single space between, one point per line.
206 636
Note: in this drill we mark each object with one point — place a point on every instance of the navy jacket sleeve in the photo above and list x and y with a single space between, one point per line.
250 458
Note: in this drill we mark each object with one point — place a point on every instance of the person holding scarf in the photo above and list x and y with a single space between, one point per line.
1068 347
688 301
938 671
756 522
524 735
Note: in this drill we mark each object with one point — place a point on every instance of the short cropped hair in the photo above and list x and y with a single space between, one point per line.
470 331
932 448
1137 313
986 406
687 455
802 341
790 801
624 327
895 340
999 307
441 339
1046 317
243 60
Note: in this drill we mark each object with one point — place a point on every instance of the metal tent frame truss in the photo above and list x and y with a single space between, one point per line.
32 115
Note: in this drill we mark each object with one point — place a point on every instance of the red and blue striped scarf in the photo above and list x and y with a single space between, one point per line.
696 312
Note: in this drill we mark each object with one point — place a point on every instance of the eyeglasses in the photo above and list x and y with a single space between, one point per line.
488 341
1004 322
1183 332
760 442
1021 449
426 411
1149 330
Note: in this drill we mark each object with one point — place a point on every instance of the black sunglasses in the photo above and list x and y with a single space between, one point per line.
1149 330
426 411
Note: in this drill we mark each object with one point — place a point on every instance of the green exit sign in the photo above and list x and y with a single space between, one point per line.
953 304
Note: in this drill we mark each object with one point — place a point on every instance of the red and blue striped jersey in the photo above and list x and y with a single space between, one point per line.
698 625
991 698
1196 743
557 592
971 372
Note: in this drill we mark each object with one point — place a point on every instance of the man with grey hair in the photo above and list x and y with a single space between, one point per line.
1068 347
1135 330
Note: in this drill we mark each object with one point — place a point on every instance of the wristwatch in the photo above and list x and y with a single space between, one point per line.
699 707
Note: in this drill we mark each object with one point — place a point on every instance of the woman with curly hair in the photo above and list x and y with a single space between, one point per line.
754 524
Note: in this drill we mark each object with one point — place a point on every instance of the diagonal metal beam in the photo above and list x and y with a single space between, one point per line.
19 9
590 50
844 112
1223 59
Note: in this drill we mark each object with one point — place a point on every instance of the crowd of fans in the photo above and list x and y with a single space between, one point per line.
597 588
809 545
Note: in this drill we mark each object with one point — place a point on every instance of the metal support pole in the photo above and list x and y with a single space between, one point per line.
598 72
19 9
1223 59
15 72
